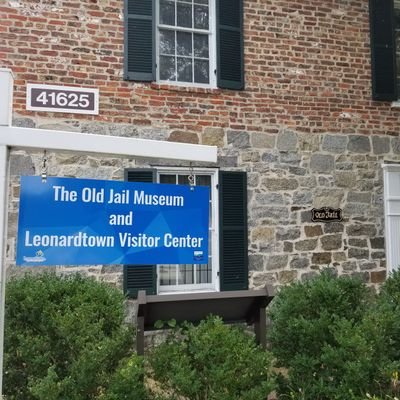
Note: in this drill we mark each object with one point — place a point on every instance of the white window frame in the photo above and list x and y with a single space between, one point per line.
214 286
212 47
391 179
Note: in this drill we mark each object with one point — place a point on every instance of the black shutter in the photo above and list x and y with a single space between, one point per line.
140 277
233 230
139 40
230 44
383 50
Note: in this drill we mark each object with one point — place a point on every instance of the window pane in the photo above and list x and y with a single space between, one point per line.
186 274
168 274
167 68
168 179
200 45
203 180
201 17
167 42
201 1
184 15
184 43
201 71
183 179
203 273
167 12
184 66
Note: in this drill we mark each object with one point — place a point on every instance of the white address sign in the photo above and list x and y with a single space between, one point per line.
66 99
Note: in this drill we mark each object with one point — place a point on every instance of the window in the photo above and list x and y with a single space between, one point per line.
185 42
193 277
227 265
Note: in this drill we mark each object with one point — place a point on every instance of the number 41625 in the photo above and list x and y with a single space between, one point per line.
62 99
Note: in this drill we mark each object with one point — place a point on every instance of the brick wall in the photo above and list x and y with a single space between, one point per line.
306 67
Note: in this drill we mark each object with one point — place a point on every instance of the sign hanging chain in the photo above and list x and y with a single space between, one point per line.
44 167
191 177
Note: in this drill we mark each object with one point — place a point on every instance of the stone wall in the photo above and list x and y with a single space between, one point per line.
288 174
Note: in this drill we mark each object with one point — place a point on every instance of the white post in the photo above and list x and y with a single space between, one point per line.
6 96
6 102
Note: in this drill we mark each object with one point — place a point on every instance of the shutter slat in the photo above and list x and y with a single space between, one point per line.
383 50
233 231
230 44
140 277
139 40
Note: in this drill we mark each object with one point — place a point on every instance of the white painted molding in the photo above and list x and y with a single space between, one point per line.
104 144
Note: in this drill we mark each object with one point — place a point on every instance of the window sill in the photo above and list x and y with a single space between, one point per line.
185 89
395 104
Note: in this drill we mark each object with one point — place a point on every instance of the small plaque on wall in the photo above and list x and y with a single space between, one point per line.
64 99
326 214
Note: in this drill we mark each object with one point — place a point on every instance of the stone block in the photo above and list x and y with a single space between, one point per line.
359 197
331 242
321 258
213 137
277 214
360 254
340 256
378 276
287 233
299 171
23 122
238 139
298 262
269 157
21 164
287 247
380 144
277 184
349 266
313 230
361 230
308 276
227 161
290 158
367 265
263 233
287 141
377 243
322 163
263 141
269 198
378 255
286 277
345 179
184 137
277 262
302 198
334 143
333 227
250 156
309 142
359 144
306 245
356 242
256 262
328 198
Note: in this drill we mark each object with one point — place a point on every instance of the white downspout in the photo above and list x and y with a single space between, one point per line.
6 103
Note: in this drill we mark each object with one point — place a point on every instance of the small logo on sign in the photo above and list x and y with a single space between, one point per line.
326 214
198 255
38 257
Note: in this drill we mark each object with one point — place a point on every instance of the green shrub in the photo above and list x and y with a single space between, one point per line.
64 338
321 336
212 361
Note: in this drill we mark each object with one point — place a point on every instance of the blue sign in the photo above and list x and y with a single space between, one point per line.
67 221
